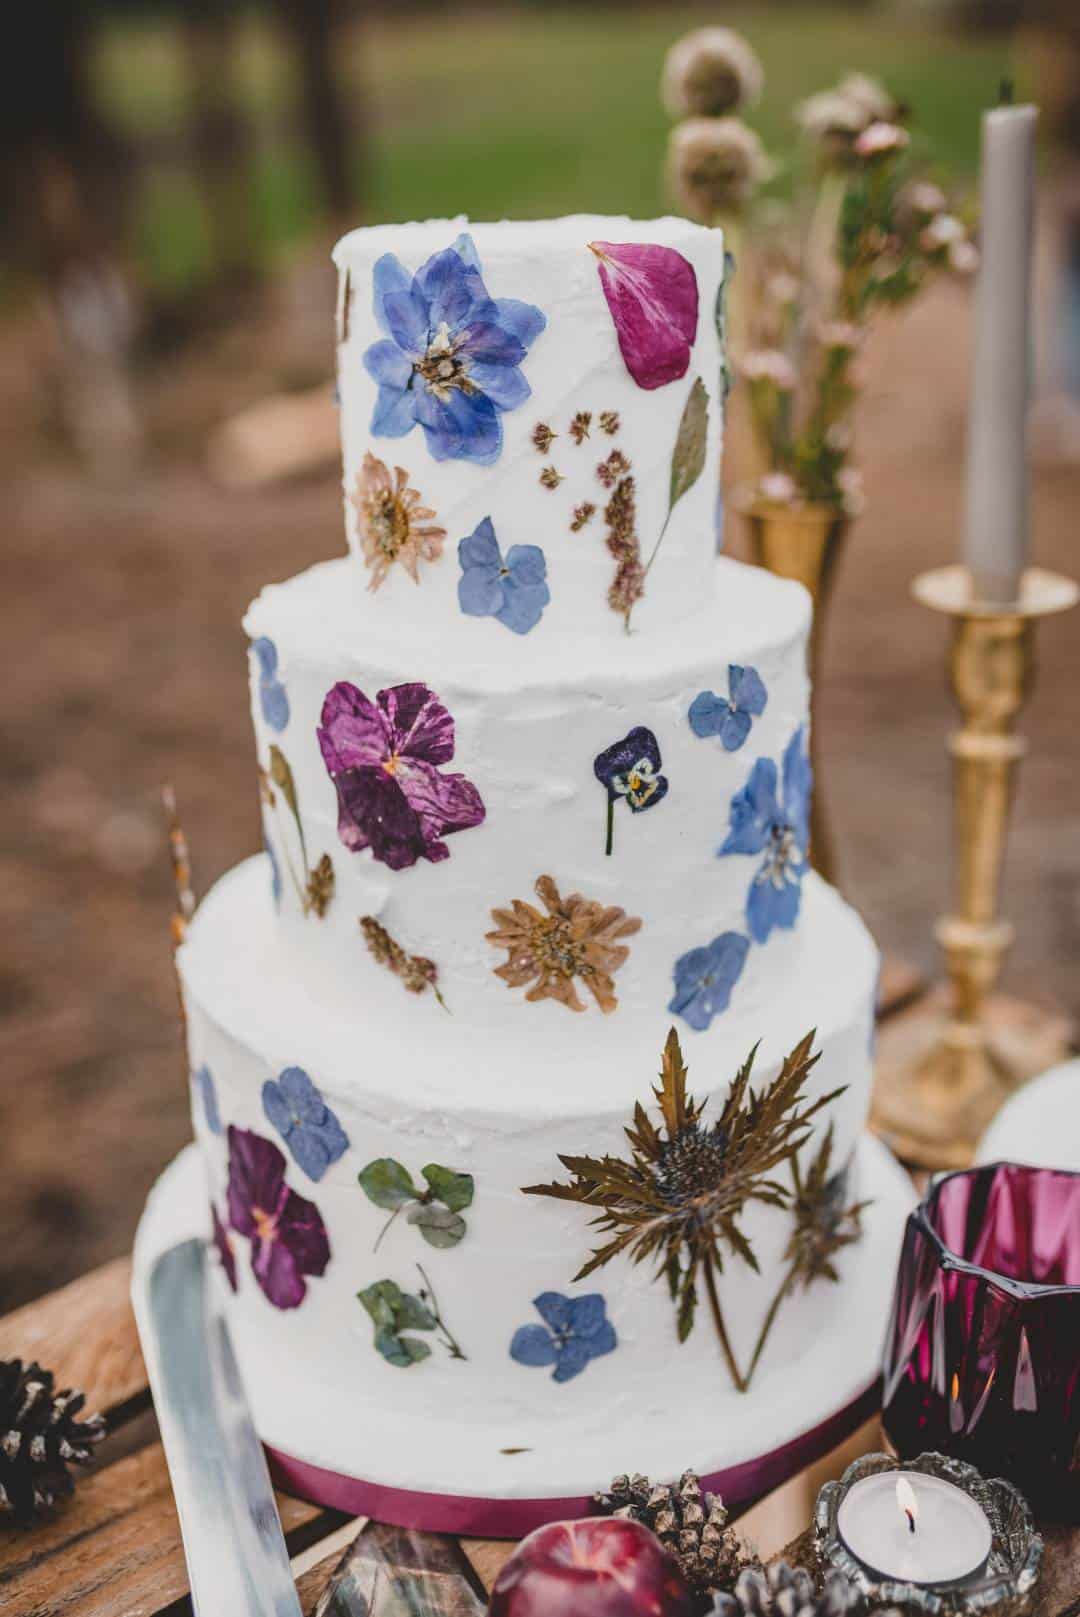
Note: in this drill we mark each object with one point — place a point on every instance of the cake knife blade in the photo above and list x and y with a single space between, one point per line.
238 1565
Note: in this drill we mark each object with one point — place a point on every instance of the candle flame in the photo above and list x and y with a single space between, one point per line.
907 1501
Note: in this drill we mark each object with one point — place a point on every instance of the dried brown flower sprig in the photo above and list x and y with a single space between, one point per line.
628 585
825 1223
320 886
578 940
609 422
610 470
543 437
582 513
551 477
392 522
679 1197
415 971
579 427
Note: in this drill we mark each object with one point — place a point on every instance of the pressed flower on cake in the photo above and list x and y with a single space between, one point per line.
203 1082
630 770
392 522
309 1128
578 940
384 759
273 698
575 1331
450 360
705 978
287 1234
223 1247
771 816
730 719
512 589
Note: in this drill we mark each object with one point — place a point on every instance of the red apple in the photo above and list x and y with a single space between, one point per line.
601 1567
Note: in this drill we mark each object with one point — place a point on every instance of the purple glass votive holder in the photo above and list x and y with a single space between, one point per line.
982 1358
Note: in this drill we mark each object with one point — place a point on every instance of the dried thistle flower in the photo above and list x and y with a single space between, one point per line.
679 1196
609 471
628 585
392 523
550 477
714 166
543 437
692 1525
320 886
582 513
577 940
710 72
609 422
416 972
579 427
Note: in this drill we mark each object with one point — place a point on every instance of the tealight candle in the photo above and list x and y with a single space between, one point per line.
909 1527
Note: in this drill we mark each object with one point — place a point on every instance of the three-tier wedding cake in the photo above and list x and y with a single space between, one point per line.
535 790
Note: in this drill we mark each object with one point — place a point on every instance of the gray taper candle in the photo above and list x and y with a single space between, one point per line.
997 494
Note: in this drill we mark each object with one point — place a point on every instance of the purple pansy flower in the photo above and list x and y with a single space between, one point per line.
630 769
575 1330
287 1234
305 1122
513 591
711 715
224 1247
772 816
203 1081
384 758
273 698
705 977
451 356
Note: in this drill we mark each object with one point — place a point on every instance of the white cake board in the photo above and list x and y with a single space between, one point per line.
370 1462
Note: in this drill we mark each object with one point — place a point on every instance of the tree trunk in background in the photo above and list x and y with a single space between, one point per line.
220 138
311 26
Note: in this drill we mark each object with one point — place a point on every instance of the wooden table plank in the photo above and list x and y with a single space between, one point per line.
86 1334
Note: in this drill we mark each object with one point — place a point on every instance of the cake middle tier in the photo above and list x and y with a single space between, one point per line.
547 845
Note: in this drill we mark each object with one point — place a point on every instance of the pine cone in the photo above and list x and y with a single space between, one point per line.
782 1592
39 1438
692 1525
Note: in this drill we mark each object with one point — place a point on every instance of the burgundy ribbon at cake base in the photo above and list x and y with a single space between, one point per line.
739 1486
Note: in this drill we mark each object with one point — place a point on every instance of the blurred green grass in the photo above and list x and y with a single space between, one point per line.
513 113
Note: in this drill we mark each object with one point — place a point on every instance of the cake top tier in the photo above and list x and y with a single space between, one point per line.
531 423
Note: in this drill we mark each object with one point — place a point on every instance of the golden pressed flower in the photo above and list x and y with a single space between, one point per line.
550 477
578 940
320 886
579 427
392 523
543 437
609 422
582 513
415 971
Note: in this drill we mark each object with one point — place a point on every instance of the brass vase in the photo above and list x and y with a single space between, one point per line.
804 543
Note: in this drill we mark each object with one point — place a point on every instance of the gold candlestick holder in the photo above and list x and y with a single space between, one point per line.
945 1069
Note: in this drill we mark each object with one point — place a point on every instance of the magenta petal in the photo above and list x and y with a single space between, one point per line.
353 732
373 812
653 297
278 1273
256 1178
301 1229
442 803
419 725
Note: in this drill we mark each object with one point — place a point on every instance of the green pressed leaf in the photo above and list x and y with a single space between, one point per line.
413 1315
454 1190
688 458
381 1301
400 1351
282 776
387 1184
438 1225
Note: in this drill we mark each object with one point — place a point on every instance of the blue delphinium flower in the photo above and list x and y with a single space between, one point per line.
273 698
772 816
630 769
575 1330
451 355
711 715
514 591
203 1081
705 977
275 871
305 1122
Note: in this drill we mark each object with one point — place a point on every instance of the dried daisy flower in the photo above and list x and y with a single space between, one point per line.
609 422
710 72
579 427
577 941
609 471
582 513
415 971
715 165
393 523
543 437
550 477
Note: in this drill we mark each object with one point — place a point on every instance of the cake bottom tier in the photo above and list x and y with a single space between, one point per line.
404 1314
